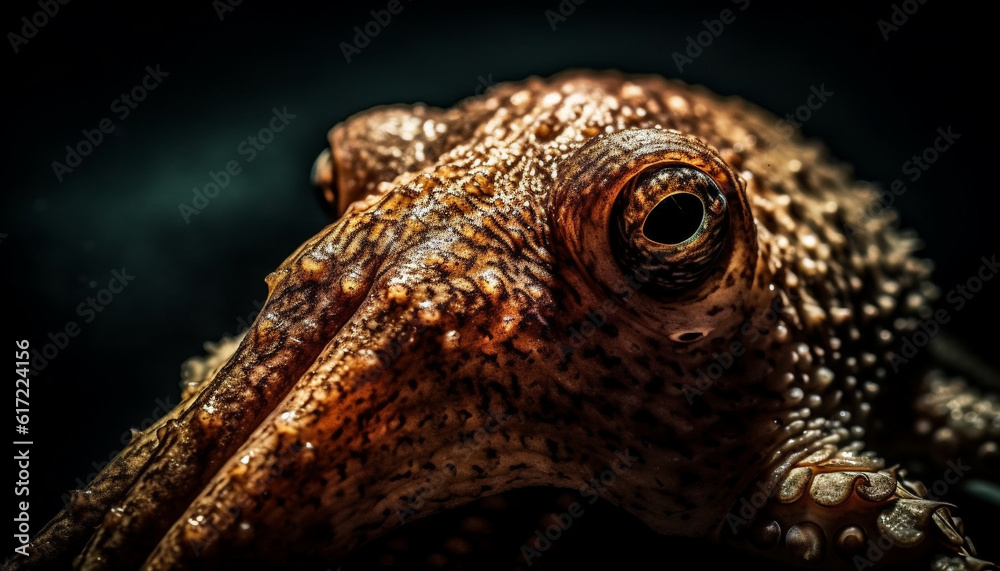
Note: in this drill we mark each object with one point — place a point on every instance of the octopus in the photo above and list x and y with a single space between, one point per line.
619 285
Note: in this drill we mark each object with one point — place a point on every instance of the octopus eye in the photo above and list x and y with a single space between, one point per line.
658 213
669 223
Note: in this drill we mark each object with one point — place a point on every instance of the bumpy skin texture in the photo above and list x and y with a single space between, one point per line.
489 312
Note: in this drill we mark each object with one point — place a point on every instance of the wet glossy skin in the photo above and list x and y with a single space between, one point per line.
519 272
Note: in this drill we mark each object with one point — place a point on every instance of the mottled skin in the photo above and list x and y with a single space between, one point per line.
490 312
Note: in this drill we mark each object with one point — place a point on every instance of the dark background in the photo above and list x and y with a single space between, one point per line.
195 281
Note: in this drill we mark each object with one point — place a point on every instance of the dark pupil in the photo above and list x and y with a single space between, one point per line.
675 219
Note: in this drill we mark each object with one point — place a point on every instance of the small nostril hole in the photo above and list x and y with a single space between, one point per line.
688 337
675 219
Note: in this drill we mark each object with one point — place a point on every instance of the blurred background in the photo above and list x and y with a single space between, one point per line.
214 73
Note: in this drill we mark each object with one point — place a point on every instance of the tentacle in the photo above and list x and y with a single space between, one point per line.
390 454
87 507
843 509
961 421
68 531
135 499
292 328
198 370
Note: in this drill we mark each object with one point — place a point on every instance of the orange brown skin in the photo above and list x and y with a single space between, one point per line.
472 246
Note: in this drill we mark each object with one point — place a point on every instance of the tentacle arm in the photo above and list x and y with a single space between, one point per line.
961 421
843 509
